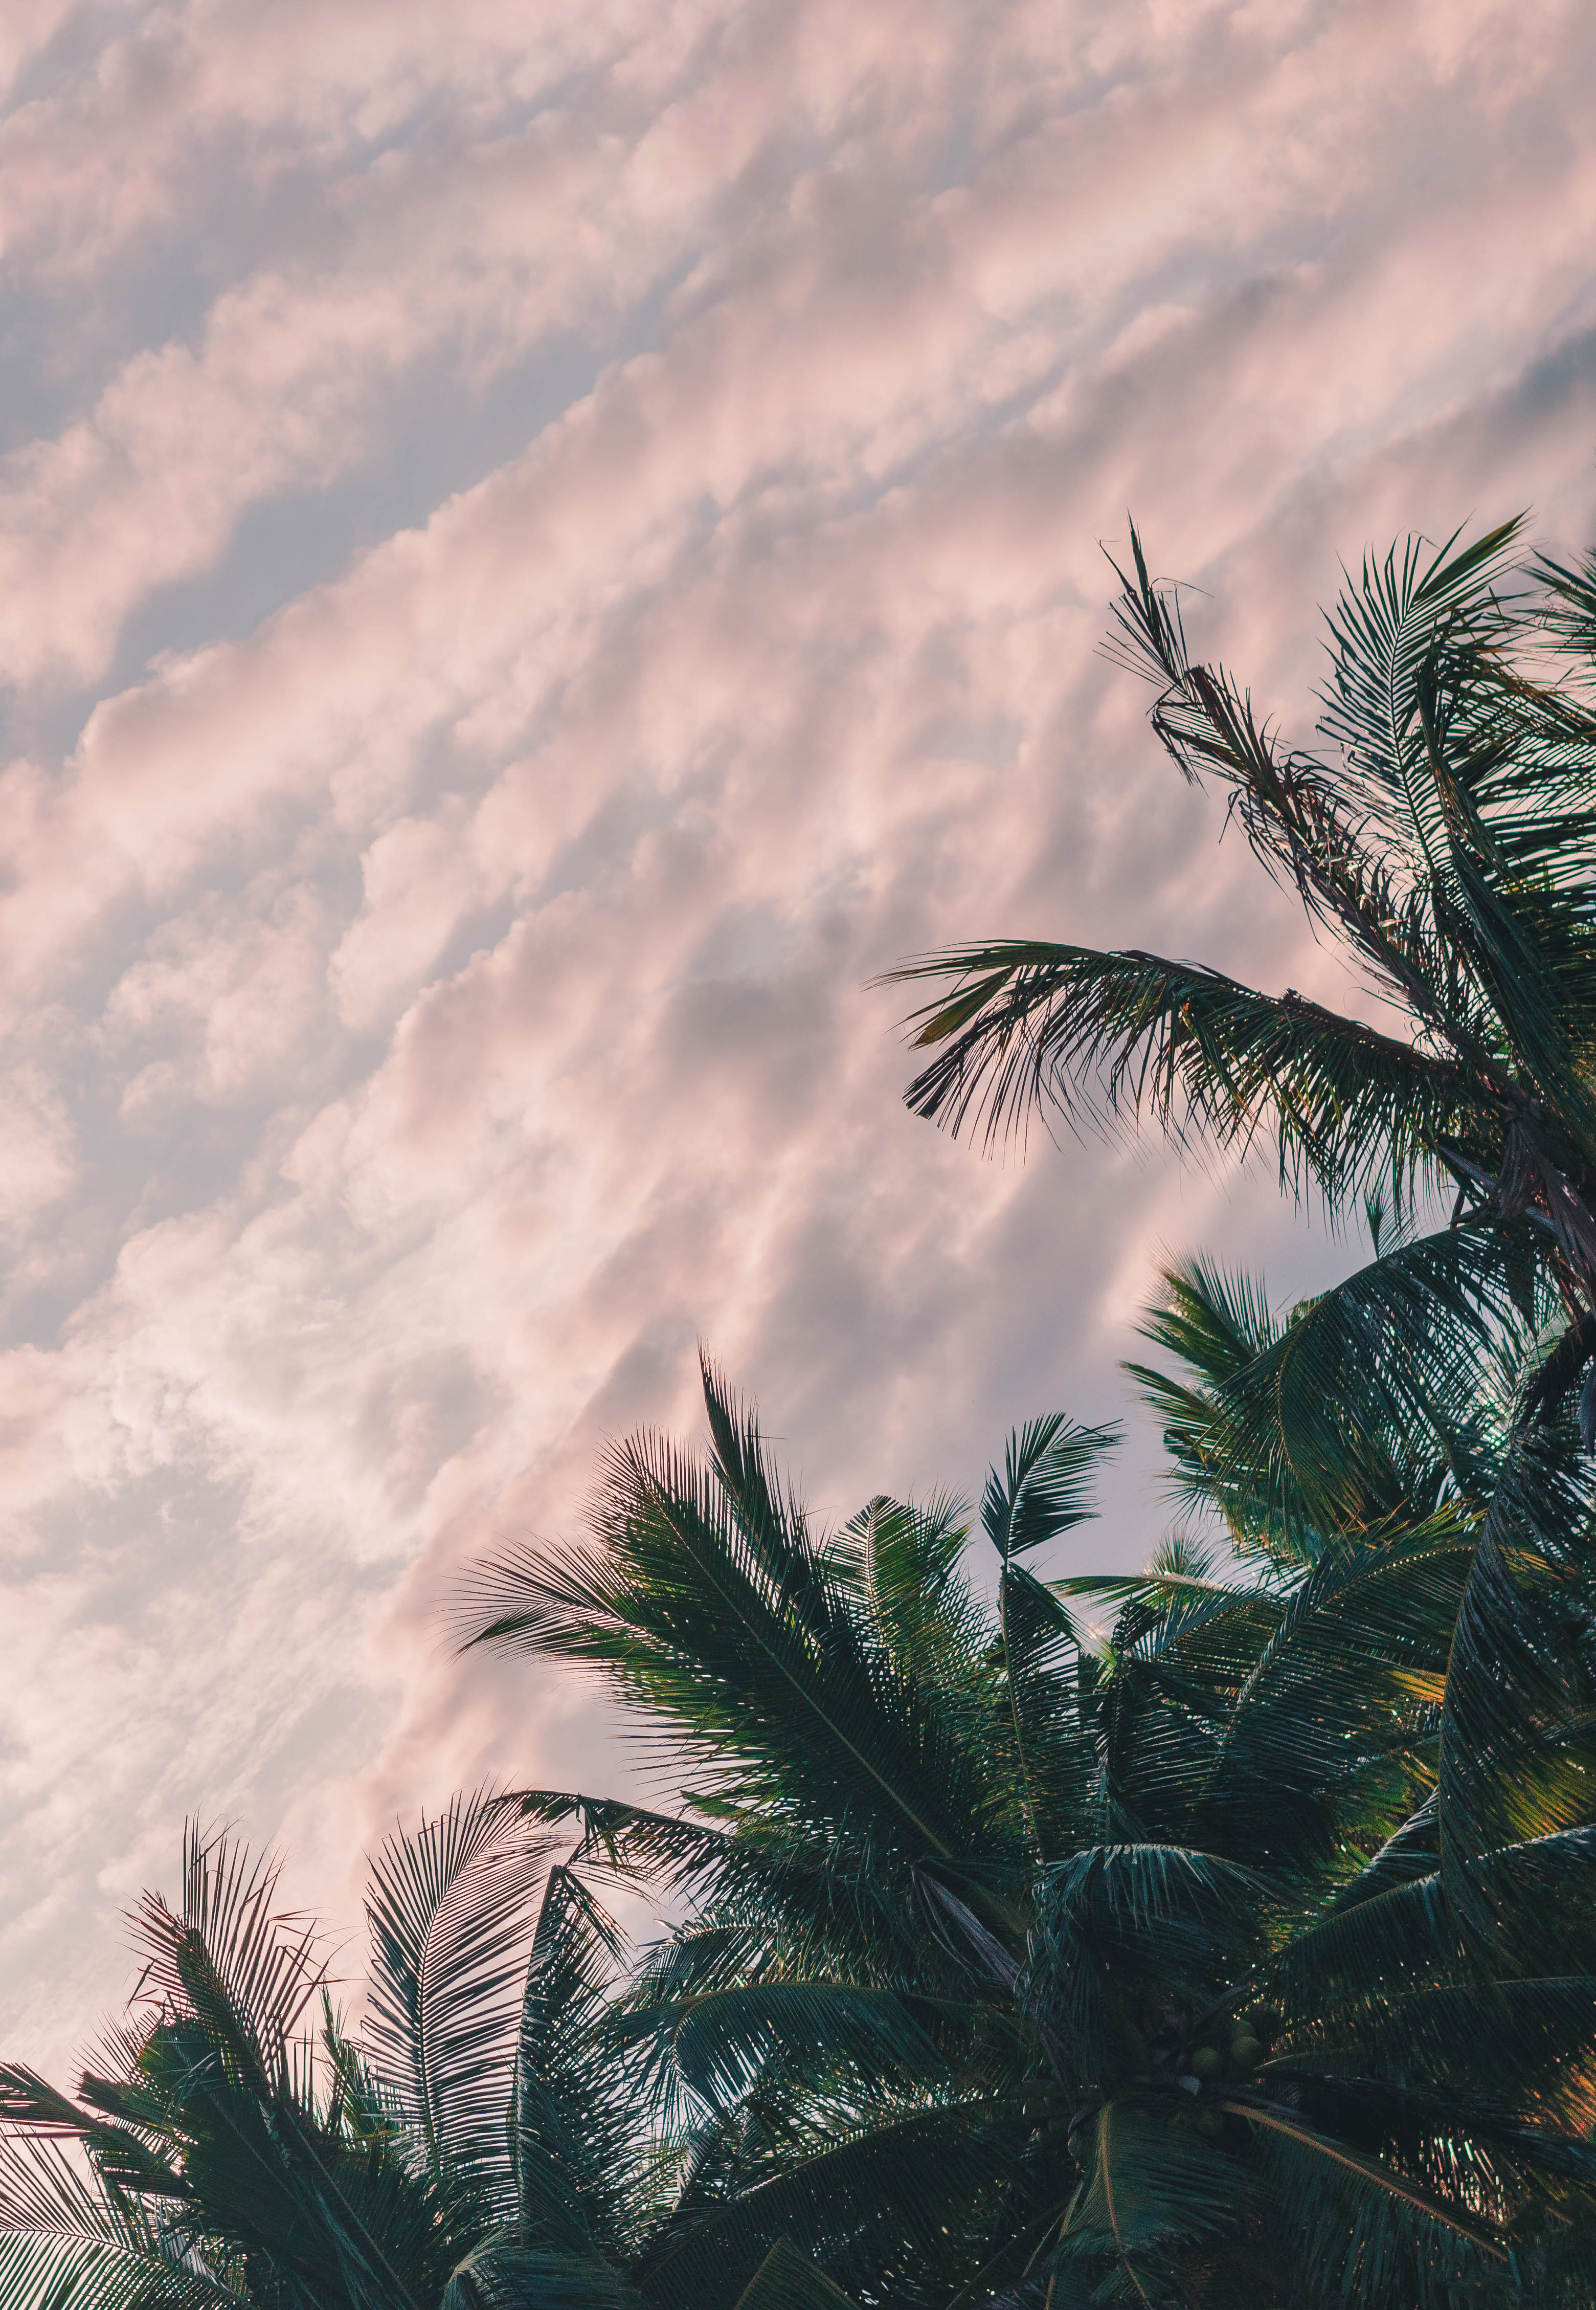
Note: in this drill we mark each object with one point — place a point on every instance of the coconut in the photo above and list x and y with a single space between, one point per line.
1206 2062
1244 2054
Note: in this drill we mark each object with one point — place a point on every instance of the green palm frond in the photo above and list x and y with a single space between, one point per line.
227 2160
1445 838
507 2275
571 2119
716 2043
246 1969
632 1842
1515 1752
1104 1039
1190 1920
1216 1320
747 1648
1384 634
779 1886
787 2279
920 1605
1367 1405
1149 2190
63 2239
1530 2048
1044 1487
1041 1490
1348 2209
910 2183
449 1913
1405 1938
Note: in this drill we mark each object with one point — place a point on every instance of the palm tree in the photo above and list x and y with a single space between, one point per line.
1444 837
477 2144
1018 1961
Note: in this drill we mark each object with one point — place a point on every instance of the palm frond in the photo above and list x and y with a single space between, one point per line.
1150 2188
449 1912
1509 1771
1044 1487
570 2124
757 1672
916 2183
787 2279
65 2239
1366 1406
1385 632
1104 1039
247 1969
718 2042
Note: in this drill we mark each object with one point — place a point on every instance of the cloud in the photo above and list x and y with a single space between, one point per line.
433 973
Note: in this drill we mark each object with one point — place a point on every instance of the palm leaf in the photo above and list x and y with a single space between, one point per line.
65 2240
449 1915
570 2119
1105 1038
787 2279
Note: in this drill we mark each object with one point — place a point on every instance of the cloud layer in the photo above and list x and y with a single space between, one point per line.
536 562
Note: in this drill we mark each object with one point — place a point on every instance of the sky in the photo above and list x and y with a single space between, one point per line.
541 550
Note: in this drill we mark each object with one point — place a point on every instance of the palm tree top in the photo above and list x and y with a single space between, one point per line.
1443 834
1106 1938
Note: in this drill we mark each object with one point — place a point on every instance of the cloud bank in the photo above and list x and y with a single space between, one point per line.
536 559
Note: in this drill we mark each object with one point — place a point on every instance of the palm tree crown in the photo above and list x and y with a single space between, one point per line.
1444 836
471 2145
1020 1958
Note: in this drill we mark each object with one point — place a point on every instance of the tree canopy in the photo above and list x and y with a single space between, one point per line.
1443 837
1188 1937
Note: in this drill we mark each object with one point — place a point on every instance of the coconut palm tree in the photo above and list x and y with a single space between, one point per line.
477 2143
1079 1939
1443 837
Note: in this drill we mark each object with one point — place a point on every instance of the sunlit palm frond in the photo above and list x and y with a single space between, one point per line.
449 1912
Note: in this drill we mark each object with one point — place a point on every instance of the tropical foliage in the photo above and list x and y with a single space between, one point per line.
1215 1955
236 2144
1224 1934
1444 838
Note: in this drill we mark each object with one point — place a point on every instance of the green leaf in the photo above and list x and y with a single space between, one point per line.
449 1912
